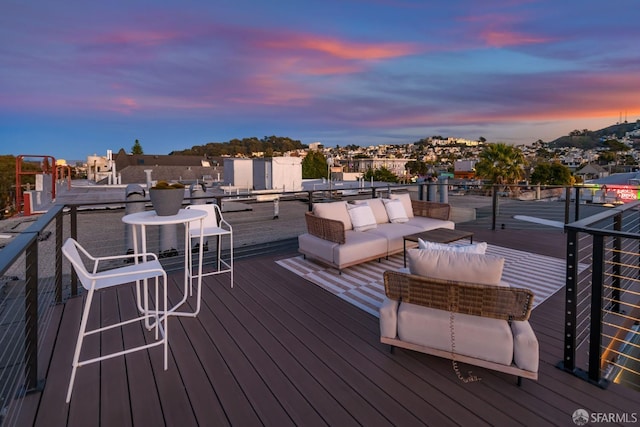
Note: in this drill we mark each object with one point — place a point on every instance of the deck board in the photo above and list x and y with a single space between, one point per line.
278 350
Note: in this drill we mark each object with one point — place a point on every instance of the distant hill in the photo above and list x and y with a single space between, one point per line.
591 139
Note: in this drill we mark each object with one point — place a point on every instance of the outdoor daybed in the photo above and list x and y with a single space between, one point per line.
342 234
454 305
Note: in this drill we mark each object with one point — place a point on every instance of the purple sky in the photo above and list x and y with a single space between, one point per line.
79 77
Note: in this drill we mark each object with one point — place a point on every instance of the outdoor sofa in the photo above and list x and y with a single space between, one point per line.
342 234
454 305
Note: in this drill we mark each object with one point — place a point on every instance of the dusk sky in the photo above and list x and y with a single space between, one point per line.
79 77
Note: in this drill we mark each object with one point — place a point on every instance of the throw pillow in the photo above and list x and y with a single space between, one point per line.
377 206
474 248
459 266
405 198
395 210
362 217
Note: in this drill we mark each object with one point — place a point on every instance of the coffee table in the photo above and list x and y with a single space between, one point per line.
437 235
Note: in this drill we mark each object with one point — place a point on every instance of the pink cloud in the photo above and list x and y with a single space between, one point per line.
497 38
343 49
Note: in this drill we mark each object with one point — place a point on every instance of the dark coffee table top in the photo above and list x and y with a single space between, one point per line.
439 235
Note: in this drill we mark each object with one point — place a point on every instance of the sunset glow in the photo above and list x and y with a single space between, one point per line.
86 77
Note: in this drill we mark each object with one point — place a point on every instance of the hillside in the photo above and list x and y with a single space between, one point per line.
591 139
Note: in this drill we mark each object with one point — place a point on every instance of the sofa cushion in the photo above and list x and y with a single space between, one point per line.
425 223
395 210
474 248
394 233
481 337
405 198
333 210
460 266
377 207
317 247
361 217
359 246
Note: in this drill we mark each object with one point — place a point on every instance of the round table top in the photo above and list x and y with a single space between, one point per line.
152 218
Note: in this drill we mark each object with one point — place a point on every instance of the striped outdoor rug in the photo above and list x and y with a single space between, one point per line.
362 285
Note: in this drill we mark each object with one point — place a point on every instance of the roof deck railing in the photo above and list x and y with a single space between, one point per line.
34 279
602 304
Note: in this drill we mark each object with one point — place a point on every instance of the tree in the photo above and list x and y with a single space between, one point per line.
381 174
314 165
137 148
501 164
417 167
551 174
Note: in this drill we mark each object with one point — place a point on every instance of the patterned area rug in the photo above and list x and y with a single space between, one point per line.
362 285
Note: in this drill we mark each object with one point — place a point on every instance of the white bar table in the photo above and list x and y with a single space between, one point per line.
149 218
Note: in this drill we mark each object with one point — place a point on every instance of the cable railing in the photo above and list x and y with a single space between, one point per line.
602 304
35 281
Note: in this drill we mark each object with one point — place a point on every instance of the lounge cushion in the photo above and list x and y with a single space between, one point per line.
425 223
405 198
460 266
395 211
333 210
475 336
377 206
361 217
474 248
393 233
359 246
526 352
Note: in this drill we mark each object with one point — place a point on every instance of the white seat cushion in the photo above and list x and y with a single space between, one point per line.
475 336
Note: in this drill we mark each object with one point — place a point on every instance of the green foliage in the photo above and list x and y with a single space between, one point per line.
314 165
164 185
501 164
244 147
382 175
417 167
137 148
551 174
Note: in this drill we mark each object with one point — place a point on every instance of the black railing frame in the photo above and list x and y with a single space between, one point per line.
593 374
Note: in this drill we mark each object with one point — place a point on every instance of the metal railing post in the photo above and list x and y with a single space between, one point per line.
567 203
74 235
595 325
577 212
616 267
494 206
31 316
571 303
58 258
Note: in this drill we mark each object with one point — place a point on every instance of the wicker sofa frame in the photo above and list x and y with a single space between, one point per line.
497 302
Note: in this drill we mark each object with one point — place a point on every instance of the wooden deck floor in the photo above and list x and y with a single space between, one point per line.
276 350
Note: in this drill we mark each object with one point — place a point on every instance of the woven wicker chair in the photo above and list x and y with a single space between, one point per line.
496 302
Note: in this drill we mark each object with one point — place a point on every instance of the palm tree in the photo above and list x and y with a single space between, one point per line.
501 164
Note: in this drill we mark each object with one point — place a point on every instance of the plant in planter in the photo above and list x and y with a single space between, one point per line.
166 198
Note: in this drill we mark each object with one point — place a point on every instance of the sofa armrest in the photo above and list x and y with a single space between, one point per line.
525 346
431 209
324 228
389 318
